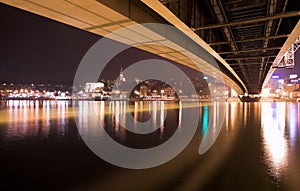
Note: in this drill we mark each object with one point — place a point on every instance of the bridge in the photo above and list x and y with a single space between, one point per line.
248 38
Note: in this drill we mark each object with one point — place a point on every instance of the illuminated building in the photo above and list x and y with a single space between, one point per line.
143 90
94 87
169 92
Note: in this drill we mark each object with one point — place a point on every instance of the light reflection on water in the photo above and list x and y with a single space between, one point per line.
122 120
117 112
278 135
34 118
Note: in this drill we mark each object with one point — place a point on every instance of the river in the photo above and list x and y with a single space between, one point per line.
42 148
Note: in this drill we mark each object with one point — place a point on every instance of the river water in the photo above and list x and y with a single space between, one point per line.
42 149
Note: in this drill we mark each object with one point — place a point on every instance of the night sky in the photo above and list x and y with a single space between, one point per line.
35 49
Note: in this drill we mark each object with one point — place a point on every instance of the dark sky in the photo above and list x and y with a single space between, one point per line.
35 49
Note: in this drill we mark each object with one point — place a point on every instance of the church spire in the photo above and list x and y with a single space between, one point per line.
122 78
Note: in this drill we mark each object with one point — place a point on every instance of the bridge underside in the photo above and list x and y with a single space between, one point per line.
244 36
248 34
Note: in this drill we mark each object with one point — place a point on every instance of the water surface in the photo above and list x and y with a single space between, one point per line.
41 147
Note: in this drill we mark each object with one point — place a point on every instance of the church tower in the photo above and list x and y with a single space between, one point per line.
122 78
